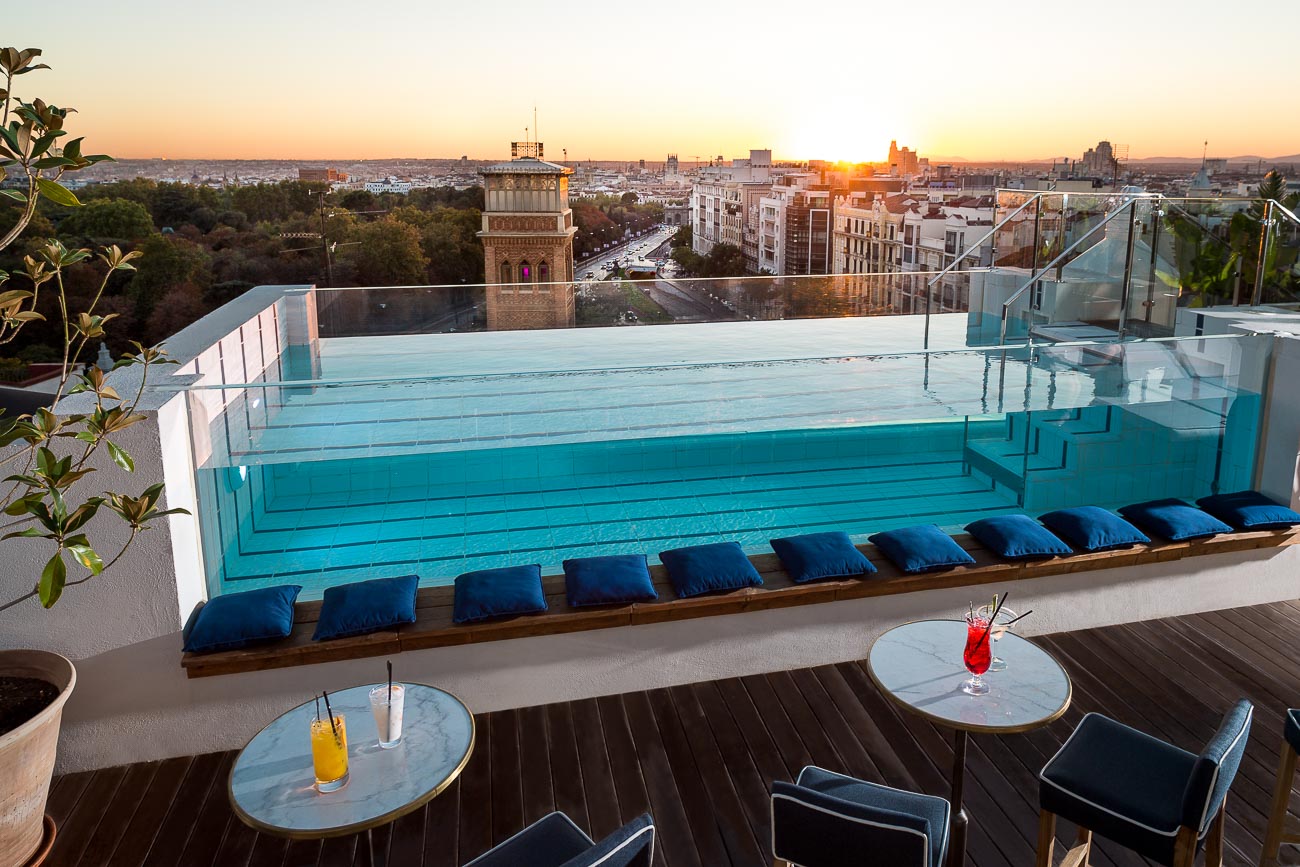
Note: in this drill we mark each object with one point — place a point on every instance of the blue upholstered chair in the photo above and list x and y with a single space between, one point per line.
828 820
1276 834
1158 800
554 840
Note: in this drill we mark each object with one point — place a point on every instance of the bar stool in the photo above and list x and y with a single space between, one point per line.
1149 796
1276 834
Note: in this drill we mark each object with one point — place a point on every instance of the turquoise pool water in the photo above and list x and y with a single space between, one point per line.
330 479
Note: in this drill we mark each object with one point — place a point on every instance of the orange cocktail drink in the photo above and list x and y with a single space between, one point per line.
329 753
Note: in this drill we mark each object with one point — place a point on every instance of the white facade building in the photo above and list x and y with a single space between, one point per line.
389 185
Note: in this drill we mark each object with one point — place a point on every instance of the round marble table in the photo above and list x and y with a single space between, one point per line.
272 784
919 666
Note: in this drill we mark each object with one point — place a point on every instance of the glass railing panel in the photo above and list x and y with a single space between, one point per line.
1281 281
520 457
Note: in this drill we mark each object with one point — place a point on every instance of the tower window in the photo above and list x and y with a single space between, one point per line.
525 272
506 275
543 272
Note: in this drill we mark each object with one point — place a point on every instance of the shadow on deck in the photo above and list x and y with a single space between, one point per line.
701 757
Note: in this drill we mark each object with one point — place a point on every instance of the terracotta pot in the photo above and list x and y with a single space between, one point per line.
27 756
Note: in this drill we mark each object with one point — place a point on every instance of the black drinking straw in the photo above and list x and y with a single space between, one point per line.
390 681
1019 617
333 727
317 708
388 718
992 617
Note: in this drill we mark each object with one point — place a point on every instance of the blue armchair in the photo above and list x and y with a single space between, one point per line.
554 840
829 820
1154 798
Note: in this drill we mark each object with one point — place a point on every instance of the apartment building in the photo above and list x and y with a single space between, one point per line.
913 233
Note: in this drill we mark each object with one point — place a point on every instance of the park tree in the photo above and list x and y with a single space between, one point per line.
387 253
101 220
724 260
168 260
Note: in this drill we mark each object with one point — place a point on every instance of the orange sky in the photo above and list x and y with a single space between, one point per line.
333 80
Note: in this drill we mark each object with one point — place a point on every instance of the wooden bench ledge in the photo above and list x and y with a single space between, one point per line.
433 626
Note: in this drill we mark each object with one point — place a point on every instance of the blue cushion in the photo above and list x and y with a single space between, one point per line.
1216 767
549 842
366 606
1249 510
922 548
830 820
821 555
1174 519
1092 528
1017 537
706 568
498 592
235 620
1121 783
619 578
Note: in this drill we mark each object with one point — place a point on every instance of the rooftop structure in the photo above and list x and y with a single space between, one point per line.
320 437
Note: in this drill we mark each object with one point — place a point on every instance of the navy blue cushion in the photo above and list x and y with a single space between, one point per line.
821 555
366 606
706 568
1292 729
1092 528
498 592
1216 767
1017 537
1249 510
618 578
830 820
235 620
1121 783
551 841
923 548
1174 519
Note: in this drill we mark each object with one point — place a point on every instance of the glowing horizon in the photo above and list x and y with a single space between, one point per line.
297 81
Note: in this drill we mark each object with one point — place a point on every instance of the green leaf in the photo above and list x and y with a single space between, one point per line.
16 195
86 556
121 458
53 577
57 193
29 533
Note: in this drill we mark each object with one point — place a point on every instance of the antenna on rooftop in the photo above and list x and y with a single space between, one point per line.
1205 151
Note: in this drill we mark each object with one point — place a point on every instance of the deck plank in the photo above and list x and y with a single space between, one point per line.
701 759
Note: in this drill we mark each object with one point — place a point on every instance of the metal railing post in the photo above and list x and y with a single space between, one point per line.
1265 248
1126 288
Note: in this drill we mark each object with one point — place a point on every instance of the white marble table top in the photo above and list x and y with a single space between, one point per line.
272 783
920 666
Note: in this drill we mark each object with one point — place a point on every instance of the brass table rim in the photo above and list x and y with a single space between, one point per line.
355 827
972 727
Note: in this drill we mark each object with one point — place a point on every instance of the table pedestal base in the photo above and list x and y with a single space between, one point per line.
957 821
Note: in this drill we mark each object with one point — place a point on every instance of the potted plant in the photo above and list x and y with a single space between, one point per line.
48 458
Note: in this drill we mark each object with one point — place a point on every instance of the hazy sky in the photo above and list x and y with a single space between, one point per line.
1017 79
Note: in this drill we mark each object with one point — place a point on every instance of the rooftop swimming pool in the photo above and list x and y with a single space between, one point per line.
346 458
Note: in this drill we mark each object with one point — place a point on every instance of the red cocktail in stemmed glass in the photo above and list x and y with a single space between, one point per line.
977 655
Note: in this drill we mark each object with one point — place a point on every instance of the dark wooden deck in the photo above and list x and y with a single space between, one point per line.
701 757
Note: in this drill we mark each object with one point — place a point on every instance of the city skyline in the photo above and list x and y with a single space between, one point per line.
299 81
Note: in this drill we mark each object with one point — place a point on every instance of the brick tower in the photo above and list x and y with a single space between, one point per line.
528 242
